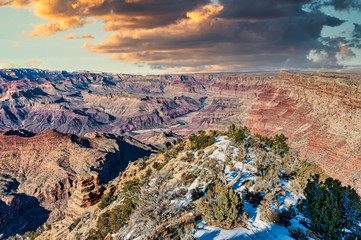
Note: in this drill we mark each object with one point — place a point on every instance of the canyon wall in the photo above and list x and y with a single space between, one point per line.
319 112
321 115
37 172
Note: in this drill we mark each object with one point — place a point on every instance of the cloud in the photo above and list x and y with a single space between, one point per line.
88 36
71 36
52 28
34 64
5 64
69 14
208 39
199 35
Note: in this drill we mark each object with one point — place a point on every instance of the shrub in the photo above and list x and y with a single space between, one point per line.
154 208
331 207
142 165
298 233
106 200
277 143
253 198
112 220
187 178
74 224
196 194
223 207
269 213
158 166
32 235
131 188
285 216
238 134
201 141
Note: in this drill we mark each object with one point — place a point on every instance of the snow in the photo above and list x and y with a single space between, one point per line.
256 228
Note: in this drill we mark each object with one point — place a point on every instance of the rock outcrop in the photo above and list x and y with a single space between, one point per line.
87 191
38 172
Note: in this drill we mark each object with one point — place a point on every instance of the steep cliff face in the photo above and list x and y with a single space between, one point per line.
321 115
37 171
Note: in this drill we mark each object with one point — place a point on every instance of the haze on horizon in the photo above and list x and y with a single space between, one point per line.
163 36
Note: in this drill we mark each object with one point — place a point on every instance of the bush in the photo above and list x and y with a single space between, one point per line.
106 200
154 210
131 186
196 194
74 224
253 198
238 134
223 207
298 233
331 207
187 178
32 235
112 220
158 166
277 143
201 141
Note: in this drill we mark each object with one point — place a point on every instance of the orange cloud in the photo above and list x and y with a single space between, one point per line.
70 36
345 31
344 53
52 28
88 36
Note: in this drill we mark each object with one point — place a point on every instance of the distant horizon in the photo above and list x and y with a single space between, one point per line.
355 70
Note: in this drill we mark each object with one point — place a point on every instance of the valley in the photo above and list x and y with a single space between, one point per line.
67 135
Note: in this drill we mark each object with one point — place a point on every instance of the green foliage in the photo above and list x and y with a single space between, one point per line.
238 134
201 141
277 143
331 207
112 220
223 207
306 172
74 224
48 227
142 165
106 200
158 166
173 152
131 186
32 235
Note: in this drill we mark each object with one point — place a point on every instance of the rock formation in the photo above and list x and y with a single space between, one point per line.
319 112
38 171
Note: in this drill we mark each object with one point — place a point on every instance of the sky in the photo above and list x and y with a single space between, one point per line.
169 36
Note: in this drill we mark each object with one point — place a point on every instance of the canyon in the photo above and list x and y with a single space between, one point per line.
39 172
102 121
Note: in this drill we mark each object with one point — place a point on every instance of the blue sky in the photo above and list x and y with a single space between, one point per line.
202 37
54 52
